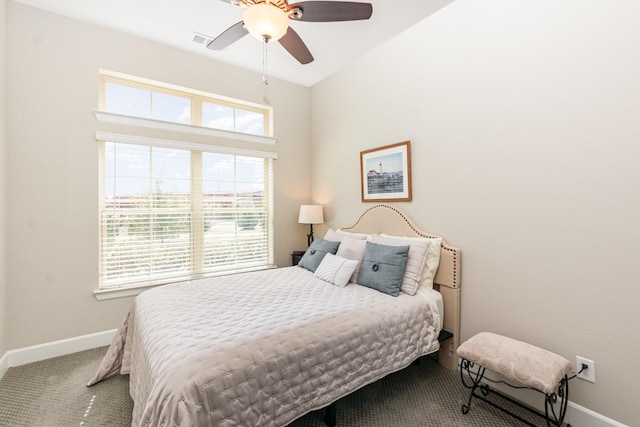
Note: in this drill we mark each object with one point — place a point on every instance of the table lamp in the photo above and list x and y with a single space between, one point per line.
310 214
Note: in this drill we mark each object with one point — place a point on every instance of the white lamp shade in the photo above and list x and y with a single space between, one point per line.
266 21
311 214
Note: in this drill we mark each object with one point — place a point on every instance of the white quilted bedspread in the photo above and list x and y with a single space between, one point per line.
260 349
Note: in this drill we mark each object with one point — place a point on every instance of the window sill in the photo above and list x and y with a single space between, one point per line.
133 290
216 134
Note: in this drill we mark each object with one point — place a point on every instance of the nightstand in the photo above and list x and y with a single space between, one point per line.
295 257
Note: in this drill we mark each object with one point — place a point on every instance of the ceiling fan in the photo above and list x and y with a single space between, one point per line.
268 20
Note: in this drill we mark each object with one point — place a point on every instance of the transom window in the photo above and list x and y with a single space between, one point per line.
173 211
141 98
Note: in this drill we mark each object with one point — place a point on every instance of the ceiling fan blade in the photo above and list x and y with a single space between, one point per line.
228 36
292 42
330 11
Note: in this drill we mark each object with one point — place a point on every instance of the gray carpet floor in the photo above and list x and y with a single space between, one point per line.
52 393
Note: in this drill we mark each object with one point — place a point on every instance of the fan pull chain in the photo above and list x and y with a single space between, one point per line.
265 79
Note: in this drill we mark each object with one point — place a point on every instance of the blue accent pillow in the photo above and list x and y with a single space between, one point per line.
383 267
316 252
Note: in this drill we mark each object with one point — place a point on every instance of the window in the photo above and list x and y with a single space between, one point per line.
227 118
172 210
153 100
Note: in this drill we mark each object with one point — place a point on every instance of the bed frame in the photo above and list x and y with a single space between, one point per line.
383 218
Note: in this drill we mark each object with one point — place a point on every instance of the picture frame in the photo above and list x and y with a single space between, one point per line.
385 173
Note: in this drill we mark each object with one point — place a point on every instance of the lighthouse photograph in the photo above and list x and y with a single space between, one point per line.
386 173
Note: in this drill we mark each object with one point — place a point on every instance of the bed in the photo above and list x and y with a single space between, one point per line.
265 348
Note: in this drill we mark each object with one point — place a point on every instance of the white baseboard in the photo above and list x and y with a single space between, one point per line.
36 353
4 364
580 416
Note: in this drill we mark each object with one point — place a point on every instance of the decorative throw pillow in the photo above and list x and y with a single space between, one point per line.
418 251
352 249
433 259
316 252
335 269
383 267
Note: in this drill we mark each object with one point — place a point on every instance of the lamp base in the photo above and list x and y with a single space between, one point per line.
310 235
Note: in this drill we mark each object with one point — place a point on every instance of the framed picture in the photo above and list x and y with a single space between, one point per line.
385 173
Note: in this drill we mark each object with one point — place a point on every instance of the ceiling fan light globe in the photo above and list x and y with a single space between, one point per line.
265 21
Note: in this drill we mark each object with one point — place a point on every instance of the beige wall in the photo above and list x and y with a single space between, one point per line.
3 172
523 119
53 190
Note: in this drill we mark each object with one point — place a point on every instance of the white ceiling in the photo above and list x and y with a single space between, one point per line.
173 22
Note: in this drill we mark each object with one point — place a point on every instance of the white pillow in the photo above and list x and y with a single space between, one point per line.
433 259
352 249
332 236
338 235
418 251
358 236
335 269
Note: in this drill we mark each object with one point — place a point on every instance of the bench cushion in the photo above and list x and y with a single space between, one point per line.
525 363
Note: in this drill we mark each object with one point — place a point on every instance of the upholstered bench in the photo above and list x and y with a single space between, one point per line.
531 366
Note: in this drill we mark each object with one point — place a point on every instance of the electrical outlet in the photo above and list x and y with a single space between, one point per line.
589 373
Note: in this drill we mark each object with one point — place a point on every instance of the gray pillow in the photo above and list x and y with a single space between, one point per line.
316 252
383 267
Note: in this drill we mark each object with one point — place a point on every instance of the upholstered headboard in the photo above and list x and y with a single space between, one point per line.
383 218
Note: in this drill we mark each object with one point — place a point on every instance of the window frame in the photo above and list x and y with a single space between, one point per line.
129 288
197 98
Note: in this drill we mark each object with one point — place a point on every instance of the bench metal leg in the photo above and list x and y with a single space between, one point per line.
473 381
551 400
475 378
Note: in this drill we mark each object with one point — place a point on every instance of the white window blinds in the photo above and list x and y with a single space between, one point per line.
169 213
